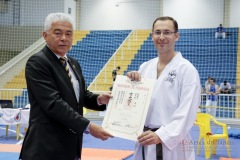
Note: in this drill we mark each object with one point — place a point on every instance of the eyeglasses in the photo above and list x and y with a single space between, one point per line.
165 33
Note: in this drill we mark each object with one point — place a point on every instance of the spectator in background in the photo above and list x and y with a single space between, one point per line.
115 72
207 82
212 97
225 88
202 90
220 32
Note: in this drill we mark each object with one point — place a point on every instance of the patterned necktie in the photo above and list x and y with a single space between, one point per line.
63 60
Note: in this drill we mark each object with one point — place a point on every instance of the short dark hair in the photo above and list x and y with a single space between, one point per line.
213 79
118 67
175 24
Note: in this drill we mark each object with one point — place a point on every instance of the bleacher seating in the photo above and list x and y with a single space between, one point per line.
201 48
22 100
95 49
212 57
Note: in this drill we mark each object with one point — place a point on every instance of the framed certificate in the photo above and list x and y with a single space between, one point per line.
127 110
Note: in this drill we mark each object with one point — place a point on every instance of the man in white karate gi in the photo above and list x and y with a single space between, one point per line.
175 99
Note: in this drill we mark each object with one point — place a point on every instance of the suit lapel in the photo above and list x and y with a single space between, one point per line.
58 65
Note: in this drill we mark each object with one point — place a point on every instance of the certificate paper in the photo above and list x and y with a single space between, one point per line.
127 110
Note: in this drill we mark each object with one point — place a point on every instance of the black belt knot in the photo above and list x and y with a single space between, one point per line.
151 129
159 153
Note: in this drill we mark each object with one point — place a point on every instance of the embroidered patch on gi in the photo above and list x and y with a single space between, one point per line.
171 76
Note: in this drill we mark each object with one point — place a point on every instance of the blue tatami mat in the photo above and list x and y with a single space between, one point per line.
122 144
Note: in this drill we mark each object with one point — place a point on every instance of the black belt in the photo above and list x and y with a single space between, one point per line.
159 153
151 129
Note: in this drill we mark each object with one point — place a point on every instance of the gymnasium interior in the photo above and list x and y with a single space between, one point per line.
111 33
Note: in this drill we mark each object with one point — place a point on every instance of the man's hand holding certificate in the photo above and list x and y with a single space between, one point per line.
127 110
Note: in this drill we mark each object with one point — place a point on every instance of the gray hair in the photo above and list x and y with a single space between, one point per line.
55 17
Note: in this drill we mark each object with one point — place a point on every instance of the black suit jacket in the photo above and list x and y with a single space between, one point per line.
56 124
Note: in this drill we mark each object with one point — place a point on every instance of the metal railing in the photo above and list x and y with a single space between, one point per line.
228 105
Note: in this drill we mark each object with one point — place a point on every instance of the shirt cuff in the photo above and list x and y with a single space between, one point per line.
99 102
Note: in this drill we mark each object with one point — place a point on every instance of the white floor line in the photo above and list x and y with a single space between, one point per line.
20 135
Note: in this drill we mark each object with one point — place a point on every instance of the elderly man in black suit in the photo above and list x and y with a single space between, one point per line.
57 94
